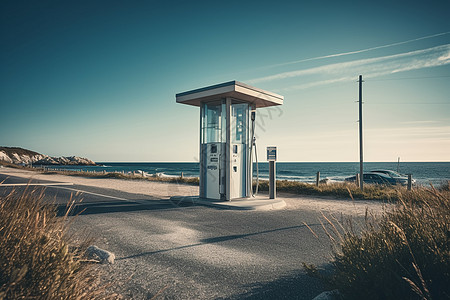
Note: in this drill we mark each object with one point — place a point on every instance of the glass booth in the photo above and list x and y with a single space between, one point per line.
224 164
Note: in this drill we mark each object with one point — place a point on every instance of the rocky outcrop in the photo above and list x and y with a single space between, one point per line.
21 156
63 160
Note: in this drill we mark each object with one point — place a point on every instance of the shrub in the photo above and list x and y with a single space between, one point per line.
337 189
404 255
37 259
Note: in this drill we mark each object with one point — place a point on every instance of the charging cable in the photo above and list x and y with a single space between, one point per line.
253 145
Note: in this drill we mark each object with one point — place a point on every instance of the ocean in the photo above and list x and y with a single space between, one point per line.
424 172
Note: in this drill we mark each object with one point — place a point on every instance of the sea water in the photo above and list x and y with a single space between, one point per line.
424 172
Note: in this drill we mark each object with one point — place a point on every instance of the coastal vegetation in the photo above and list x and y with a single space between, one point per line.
38 258
387 193
337 190
403 255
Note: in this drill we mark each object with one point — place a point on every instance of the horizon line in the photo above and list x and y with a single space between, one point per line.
414 161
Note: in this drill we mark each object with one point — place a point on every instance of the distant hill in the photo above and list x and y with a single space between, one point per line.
16 155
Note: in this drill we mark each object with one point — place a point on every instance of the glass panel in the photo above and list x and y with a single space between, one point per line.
212 123
239 119
202 123
223 120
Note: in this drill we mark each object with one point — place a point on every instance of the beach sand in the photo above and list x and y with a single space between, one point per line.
165 190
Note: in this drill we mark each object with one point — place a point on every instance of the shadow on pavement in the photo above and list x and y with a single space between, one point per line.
216 240
293 286
115 206
96 201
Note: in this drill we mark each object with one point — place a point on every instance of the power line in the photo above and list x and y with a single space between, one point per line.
407 78
410 103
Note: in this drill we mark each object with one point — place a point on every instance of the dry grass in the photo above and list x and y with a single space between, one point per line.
179 180
37 257
342 190
403 255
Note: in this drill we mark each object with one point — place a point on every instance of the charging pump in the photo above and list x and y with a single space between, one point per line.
227 137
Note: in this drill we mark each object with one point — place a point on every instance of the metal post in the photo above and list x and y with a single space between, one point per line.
361 160
409 182
228 150
272 180
202 177
317 178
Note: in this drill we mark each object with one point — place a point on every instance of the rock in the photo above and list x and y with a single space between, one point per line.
16 155
69 160
21 156
103 255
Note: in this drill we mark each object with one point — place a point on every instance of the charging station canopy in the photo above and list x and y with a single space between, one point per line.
233 89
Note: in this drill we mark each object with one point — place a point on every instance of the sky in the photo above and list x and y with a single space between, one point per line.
98 79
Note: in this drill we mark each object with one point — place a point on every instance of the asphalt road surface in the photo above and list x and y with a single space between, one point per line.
194 252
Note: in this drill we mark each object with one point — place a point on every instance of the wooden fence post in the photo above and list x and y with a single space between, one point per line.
409 182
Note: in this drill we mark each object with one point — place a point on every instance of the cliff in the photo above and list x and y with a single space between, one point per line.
17 155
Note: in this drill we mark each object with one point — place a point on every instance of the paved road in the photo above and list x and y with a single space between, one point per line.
196 252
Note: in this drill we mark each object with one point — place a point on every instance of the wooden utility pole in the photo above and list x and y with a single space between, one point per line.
361 160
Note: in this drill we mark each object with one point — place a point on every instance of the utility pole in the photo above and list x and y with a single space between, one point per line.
361 160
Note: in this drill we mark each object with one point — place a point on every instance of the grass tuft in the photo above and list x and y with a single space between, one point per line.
403 255
37 257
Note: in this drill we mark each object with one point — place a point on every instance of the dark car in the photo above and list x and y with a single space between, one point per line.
375 178
402 179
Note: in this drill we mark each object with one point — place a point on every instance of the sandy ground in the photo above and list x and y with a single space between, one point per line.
165 190
152 188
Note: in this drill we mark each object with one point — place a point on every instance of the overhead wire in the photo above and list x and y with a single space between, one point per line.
407 78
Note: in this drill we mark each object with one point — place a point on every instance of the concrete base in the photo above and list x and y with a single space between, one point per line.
253 203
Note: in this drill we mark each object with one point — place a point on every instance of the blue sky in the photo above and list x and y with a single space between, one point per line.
98 78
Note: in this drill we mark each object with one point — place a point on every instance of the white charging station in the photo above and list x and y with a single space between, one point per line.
227 136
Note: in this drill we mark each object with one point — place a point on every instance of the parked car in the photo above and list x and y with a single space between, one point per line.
401 179
375 178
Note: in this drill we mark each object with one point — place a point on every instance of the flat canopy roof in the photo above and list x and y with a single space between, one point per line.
232 89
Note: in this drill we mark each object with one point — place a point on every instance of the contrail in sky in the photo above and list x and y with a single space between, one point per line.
358 51
371 67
